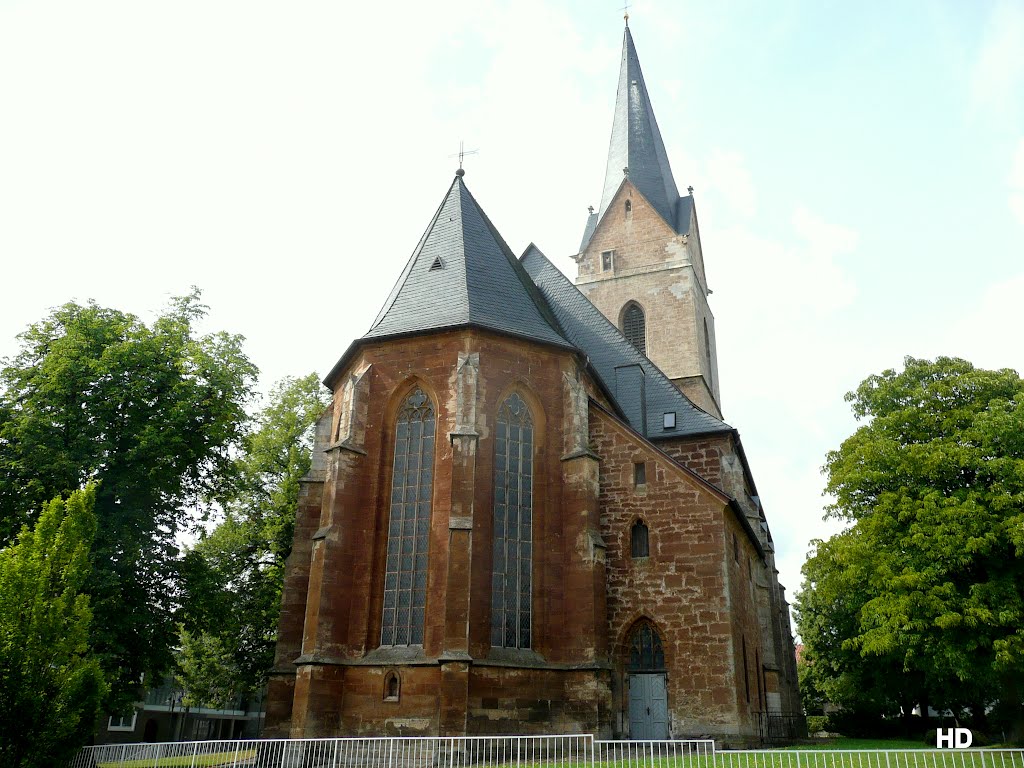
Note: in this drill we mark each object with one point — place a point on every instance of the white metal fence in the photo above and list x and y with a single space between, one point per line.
581 751
871 758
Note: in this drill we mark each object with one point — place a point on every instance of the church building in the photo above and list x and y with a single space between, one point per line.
526 514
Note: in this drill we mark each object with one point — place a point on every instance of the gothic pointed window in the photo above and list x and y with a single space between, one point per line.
633 326
645 651
512 574
405 577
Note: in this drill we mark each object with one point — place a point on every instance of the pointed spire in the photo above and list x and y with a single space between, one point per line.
462 273
636 149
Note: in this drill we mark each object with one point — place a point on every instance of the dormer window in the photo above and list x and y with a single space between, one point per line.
670 420
607 261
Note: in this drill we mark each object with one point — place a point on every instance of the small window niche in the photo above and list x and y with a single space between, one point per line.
735 549
607 261
639 473
392 686
639 540
629 207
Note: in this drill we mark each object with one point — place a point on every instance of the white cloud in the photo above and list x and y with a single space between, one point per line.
1016 183
730 177
998 75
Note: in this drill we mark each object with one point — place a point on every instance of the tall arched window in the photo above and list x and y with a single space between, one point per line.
633 327
405 578
512 576
645 651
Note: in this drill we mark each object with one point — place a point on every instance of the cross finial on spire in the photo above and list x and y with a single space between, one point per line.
462 153
625 12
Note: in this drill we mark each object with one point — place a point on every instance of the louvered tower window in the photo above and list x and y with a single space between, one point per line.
633 327
405 578
512 575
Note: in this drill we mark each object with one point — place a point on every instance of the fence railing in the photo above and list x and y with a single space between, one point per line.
777 728
579 751
870 758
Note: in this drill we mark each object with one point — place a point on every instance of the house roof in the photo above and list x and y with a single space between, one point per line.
619 365
462 273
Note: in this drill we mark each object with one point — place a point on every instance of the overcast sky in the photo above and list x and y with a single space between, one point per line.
858 172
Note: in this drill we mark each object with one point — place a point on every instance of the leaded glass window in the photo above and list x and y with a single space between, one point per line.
633 327
512 575
645 651
405 576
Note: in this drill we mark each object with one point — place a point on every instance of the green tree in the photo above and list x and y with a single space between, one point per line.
50 685
153 413
233 577
206 670
926 587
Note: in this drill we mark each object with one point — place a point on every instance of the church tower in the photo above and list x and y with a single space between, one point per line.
640 259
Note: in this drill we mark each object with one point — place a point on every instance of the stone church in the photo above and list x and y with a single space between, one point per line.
525 513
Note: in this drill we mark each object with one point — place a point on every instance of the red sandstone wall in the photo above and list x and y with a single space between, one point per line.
681 586
339 685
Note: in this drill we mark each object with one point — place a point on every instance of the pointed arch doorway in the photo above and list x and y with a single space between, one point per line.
646 680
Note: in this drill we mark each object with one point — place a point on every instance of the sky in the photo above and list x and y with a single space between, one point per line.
858 172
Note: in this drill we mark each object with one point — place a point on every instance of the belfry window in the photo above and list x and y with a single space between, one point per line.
405 577
633 327
607 260
629 207
512 575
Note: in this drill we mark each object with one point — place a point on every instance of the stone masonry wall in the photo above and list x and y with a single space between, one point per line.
683 586
339 675
654 267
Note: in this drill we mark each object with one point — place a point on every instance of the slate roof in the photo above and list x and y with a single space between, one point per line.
462 273
636 141
617 362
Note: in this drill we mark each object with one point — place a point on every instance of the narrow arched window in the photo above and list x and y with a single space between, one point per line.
392 686
639 540
629 207
512 576
633 327
707 347
405 577
645 651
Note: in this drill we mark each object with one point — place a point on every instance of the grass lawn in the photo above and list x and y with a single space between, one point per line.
206 761
842 742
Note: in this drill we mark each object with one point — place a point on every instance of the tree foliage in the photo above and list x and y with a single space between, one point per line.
233 577
921 599
50 684
152 412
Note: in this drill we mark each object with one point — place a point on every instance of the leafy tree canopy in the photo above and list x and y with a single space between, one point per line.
151 412
233 577
922 598
50 684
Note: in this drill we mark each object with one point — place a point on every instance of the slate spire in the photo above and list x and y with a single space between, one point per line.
636 143
462 273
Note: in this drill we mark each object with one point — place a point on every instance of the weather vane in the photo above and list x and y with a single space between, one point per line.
463 152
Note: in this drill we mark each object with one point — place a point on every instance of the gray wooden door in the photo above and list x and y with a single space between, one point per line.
648 707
